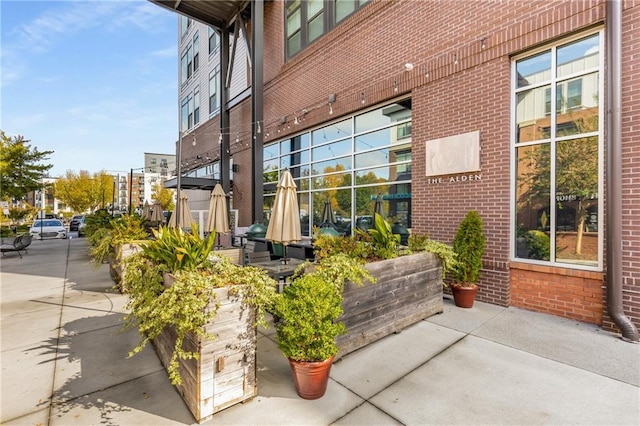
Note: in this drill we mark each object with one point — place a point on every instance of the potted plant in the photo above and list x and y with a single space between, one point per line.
203 323
468 244
308 312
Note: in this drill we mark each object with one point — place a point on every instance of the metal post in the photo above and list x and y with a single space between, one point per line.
131 193
179 177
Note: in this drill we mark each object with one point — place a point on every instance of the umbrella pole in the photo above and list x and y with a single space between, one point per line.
285 253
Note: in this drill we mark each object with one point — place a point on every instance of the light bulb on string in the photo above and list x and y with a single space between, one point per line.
194 140
220 139
259 129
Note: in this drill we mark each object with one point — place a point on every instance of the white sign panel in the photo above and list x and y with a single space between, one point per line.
454 154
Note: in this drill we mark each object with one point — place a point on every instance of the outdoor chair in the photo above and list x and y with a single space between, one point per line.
254 247
20 243
258 256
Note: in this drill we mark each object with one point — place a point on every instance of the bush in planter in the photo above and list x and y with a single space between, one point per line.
421 242
468 244
186 304
178 249
308 312
104 240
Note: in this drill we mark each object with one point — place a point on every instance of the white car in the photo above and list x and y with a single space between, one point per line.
48 228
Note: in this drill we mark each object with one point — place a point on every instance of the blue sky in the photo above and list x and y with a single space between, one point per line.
94 81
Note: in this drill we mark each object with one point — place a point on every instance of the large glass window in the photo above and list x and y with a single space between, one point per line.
558 154
214 40
307 20
214 102
196 52
332 164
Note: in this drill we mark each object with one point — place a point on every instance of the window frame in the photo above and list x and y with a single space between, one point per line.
558 82
329 21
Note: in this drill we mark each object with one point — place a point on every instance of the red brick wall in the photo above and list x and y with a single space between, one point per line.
563 292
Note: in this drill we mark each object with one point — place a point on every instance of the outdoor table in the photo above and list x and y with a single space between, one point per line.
279 270
305 246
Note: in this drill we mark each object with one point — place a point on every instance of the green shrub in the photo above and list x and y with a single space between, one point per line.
469 244
309 308
177 249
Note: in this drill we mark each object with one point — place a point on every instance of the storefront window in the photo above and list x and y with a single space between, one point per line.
334 163
558 155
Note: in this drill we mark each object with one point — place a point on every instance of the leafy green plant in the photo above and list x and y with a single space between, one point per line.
309 308
448 258
539 244
104 241
327 246
177 249
469 244
383 241
185 305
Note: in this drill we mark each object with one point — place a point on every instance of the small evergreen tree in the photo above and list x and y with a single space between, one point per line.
469 245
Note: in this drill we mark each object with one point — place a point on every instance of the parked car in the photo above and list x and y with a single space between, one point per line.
48 228
82 227
75 221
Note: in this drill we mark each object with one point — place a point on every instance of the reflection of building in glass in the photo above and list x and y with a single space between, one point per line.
352 160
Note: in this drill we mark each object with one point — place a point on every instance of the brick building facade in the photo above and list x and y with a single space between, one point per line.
456 62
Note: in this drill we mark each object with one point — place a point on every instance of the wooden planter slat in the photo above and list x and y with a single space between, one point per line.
225 373
409 289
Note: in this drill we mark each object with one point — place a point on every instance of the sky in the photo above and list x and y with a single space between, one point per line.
95 81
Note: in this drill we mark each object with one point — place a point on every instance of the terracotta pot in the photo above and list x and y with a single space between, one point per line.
311 378
464 296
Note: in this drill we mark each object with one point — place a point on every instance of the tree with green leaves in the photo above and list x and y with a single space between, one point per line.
84 191
164 196
21 167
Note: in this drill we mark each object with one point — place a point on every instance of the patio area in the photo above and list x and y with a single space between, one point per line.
61 331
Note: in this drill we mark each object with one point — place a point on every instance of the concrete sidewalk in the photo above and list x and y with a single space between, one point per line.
64 362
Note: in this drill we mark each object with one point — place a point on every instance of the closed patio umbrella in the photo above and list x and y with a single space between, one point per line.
217 219
377 207
327 213
156 213
186 219
146 210
284 225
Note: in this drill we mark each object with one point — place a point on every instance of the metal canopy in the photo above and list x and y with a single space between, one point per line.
220 14
191 183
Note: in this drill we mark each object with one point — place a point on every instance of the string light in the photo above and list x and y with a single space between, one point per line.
194 140
259 130
395 85
362 98
220 139
455 59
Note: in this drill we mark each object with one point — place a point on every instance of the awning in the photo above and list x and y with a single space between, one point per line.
191 183
220 14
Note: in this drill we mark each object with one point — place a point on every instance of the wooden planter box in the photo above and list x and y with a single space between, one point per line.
225 373
409 289
115 263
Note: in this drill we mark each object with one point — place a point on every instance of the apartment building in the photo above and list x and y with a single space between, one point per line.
522 111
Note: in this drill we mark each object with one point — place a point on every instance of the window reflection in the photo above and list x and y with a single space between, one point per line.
577 199
331 150
332 132
386 160
533 114
533 199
